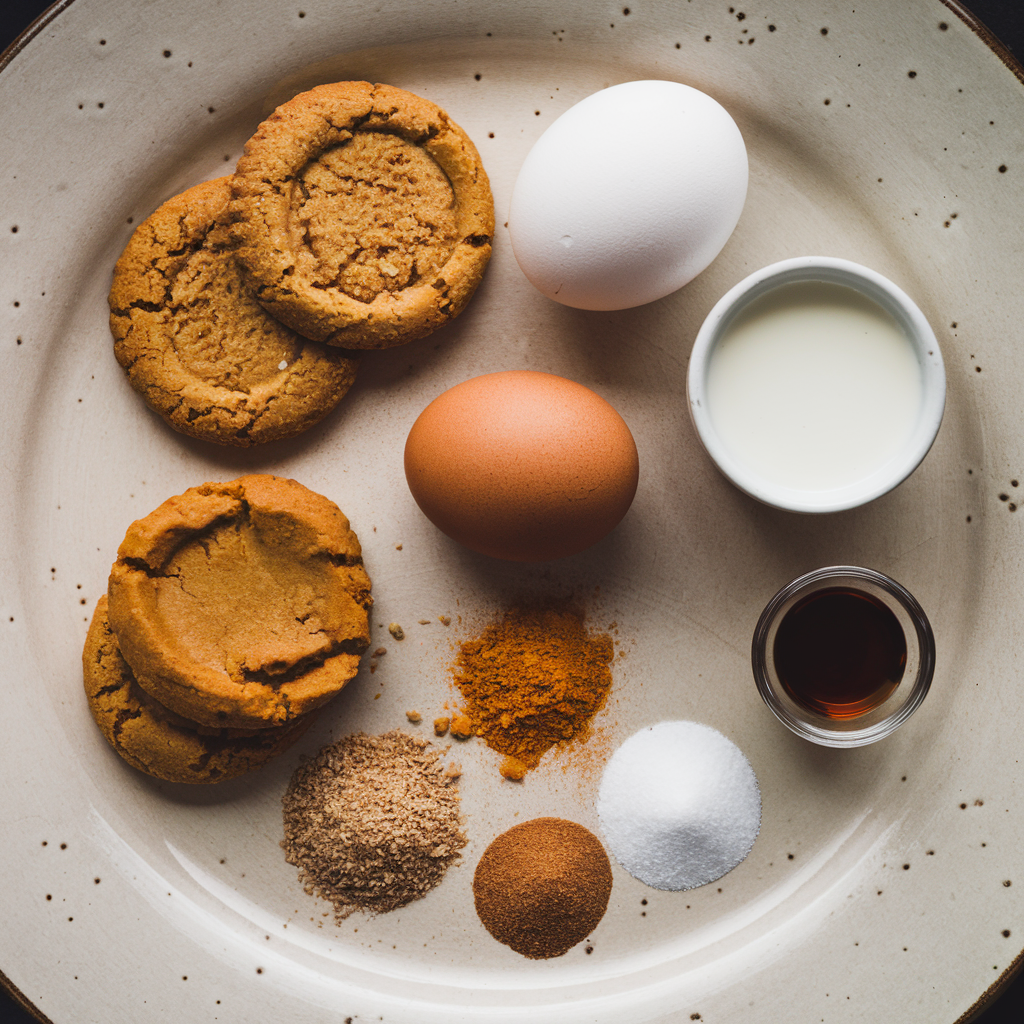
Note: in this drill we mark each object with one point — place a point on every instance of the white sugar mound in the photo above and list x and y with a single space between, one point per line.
679 805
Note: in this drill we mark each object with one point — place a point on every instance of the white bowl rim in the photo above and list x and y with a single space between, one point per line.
890 297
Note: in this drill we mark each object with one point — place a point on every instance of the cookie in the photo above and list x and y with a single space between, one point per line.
362 215
196 344
241 604
157 741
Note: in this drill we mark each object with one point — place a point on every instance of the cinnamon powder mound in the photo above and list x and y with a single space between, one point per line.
532 679
372 822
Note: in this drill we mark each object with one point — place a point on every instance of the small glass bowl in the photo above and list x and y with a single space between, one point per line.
887 716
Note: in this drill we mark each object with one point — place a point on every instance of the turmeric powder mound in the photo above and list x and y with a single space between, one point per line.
531 680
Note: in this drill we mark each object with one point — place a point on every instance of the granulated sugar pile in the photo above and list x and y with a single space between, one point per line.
372 822
679 805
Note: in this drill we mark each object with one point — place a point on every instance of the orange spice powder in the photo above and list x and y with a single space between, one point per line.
533 679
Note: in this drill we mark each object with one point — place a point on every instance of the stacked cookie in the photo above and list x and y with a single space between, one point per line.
233 612
359 217
197 345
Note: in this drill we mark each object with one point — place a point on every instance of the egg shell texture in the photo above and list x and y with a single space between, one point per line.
522 465
628 195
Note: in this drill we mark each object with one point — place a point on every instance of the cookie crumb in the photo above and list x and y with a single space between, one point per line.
441 725
414 716
380 652
398 547
513 769
445 620
461 727
424 622
396 631
453 771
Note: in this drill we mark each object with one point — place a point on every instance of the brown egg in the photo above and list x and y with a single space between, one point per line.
522 465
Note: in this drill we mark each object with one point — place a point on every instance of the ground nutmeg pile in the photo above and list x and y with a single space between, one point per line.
542 886
372 822
533 679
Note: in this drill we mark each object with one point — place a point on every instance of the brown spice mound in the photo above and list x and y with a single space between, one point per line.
532 680
372 822
542 886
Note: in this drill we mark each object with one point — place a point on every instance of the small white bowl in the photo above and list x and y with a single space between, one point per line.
868 482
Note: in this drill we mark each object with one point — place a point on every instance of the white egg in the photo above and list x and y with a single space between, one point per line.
629 195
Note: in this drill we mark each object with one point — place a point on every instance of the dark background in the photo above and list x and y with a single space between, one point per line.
1005 18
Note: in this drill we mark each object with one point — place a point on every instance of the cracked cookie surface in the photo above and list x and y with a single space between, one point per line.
196 344
241 604
154 739
362 215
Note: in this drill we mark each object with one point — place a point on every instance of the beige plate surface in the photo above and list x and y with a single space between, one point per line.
884 880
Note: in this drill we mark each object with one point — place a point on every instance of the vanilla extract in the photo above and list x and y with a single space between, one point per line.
840 652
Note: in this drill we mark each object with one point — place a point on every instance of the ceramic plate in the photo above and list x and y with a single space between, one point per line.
884 877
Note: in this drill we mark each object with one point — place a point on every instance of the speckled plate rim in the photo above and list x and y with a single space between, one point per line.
1016 967
1006 977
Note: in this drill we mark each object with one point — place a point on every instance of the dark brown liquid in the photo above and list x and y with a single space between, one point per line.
840 652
